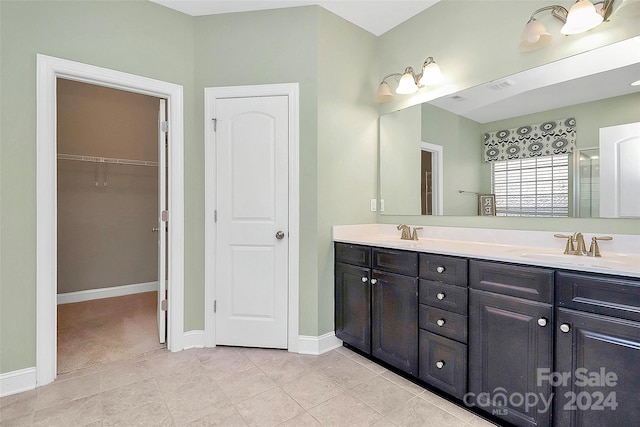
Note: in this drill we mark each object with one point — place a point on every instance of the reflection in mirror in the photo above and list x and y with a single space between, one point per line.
587 202
555 91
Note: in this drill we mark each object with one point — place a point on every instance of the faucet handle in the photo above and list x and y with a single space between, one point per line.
569 248
414 235
594 250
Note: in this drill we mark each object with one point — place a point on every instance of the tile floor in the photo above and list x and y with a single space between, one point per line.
229 386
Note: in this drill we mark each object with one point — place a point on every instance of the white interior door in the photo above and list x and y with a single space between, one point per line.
620 171
252 221
162 224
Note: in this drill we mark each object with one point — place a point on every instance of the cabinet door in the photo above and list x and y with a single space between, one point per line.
507 347
443 363
394 322
607 352
353 306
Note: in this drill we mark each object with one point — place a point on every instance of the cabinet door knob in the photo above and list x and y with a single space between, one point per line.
565 327
374 281
440 364
365 279
440 269
440 295
440 322
542 321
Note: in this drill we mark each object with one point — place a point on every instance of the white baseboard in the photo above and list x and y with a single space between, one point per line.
17 381
115 291
193 339
318 345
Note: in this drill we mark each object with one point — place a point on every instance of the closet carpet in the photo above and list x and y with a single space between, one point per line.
105 330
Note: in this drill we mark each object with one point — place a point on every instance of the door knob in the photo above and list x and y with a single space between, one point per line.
155 229
280 235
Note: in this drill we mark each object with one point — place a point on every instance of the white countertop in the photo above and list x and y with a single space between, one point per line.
620 256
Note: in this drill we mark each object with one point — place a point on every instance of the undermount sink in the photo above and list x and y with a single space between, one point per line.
604 261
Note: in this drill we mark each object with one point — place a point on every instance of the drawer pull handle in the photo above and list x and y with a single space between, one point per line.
440 295
374 281
440 269
542 321
440 364
365 279
440 322
565 327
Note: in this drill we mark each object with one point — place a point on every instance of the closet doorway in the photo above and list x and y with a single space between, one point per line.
111 251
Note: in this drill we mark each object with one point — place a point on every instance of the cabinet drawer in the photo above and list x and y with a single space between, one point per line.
613 296
441 322
530 283
446 269
353 254
392 261
443 363
441 295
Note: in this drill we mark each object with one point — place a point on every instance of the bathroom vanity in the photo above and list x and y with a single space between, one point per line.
530 336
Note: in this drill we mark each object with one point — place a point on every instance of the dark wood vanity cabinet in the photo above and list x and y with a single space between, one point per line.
376 297
510 340
443 323
598 350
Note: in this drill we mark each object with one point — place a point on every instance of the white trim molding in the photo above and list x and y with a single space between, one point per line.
110 292
49 69
17 381
318 345
291 91
194 339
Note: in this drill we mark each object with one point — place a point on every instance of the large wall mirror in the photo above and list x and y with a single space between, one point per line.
431 155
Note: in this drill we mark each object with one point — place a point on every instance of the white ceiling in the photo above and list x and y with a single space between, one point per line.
377 17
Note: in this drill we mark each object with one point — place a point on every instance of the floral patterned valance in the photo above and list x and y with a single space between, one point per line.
544 139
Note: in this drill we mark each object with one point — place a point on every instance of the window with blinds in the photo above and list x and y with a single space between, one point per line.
532 187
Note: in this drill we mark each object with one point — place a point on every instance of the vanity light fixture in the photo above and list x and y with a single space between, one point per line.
582 16
409 82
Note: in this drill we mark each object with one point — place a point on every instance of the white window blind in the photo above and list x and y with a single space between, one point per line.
537 186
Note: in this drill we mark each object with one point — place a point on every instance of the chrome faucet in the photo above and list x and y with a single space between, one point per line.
405 232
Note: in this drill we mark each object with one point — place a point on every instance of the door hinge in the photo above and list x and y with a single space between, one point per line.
215 305
165 215
164 305
215 124
215 216
164 126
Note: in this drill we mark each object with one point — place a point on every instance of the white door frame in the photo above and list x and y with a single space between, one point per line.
437 175
48 70
291 90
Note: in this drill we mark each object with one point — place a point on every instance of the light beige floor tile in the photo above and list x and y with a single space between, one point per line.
403 382
225 415
312 389
270 408
302 420
324 360
151 414
345 410
194 398
116 374
381 394
246 384
384 422
345 351
223 362
129 397
18 405
284 370
66 391
378 369
477 421
78 412
22 421
77 373
260 356
347 373
420 413
452 408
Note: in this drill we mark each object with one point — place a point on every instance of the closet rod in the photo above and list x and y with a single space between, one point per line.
110 160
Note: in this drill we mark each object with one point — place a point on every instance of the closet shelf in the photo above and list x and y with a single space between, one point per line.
110 160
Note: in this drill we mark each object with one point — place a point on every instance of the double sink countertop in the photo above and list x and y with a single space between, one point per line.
620 256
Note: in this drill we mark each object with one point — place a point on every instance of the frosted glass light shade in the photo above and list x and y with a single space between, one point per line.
582 17
431 74
534 36
407 84
383 94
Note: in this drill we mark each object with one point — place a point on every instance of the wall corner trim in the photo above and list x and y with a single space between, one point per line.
318 345
193 339
17 381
